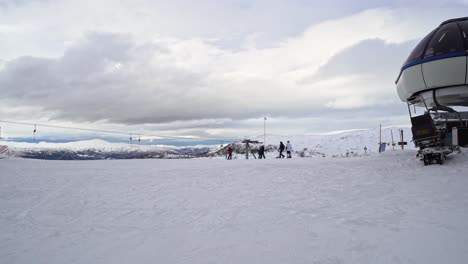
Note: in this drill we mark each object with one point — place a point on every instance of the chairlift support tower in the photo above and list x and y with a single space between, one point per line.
247 143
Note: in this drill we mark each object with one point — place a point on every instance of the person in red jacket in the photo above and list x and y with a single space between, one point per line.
229 151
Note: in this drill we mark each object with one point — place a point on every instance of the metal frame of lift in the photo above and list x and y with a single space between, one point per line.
437 136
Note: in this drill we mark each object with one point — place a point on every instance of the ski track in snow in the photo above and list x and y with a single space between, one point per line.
385 208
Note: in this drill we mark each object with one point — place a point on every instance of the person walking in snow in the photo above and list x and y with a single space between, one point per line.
261 152
281 149
288 149
229 152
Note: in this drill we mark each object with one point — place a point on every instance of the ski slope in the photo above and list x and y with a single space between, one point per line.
385 208
342 142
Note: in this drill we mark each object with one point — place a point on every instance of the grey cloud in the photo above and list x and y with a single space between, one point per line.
106 77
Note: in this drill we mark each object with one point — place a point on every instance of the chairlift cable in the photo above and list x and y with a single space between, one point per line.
161 136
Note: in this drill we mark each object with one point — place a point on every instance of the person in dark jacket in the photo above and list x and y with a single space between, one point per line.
261 152
229 152
281 149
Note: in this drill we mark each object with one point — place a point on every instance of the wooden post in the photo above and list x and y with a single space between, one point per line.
401 139
247 150
380 136
402 143
393 143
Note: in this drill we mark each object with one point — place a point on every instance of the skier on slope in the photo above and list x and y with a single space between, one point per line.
281 149
288 149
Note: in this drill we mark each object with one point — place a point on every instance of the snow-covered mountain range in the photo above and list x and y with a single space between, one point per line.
100 149
332 144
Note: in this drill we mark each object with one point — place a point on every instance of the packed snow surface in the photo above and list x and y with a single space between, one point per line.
385 208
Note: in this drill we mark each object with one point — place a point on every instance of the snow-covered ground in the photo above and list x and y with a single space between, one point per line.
385 208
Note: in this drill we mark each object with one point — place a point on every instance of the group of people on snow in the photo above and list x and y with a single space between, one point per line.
261 151
288 148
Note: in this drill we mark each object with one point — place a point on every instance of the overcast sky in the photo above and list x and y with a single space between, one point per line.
209 68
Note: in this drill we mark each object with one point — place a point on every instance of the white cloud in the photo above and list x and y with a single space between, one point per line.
128 73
